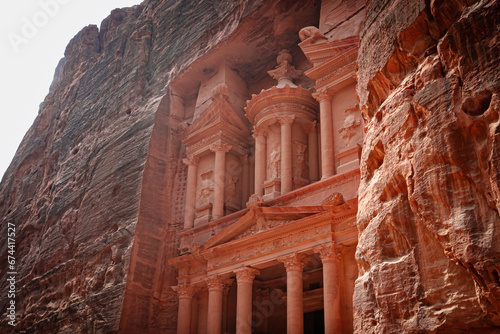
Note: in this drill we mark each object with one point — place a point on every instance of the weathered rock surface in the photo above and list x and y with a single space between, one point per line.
429 200
93 187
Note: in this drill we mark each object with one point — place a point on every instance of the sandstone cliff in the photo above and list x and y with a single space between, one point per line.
429 84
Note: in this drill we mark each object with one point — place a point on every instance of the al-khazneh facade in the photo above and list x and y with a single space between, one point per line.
271 195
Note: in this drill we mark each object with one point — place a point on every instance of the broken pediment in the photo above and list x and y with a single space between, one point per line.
218 121
261 219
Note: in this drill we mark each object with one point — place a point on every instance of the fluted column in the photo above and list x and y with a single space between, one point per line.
330 256
260 159
220 149
186 294
192 163
295 295
312 141
245 191
286 153
244 279
326 125
215 293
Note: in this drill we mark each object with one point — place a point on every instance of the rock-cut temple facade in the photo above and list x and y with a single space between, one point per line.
264 166
271 192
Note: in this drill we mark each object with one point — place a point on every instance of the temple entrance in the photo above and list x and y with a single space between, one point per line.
314 322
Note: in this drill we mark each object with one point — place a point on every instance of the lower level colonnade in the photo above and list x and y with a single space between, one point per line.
245 321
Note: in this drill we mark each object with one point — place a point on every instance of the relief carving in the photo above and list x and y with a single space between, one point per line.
206 192
349 130
299 163
311 32
230 187
275 163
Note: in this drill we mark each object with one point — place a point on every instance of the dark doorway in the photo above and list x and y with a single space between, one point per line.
314 322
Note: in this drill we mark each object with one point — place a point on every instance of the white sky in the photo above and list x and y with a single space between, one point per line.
33 37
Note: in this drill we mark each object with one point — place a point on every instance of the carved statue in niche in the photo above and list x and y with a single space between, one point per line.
299 163
348 130
275 163
230 187
207 187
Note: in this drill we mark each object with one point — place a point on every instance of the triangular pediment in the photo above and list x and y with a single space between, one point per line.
219 116
261 219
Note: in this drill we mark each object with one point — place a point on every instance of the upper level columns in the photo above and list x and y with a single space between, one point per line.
286 153
260 159
186 294
330 256
326 124
220 150
244 279
294 297
192 163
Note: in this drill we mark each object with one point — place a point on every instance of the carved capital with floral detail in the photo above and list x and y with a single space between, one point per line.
329 252
259 132
246 275
215 283
322 95
184 291
286 119
220 146
293 262
191 160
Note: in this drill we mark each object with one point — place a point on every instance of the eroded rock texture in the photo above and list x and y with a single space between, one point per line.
429 251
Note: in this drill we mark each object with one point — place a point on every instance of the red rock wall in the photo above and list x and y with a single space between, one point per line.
429 250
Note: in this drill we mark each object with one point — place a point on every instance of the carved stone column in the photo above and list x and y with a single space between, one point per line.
330 256
245 191
189 213
312 141
295 295
186 294
326 124
220 150
286 153
244 278
260 160
215 293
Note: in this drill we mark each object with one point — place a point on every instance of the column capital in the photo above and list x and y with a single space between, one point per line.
246 275
217 283
322 95
220 146
184 291
329 252
293 262
311 127
259 132
191 160
286 119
